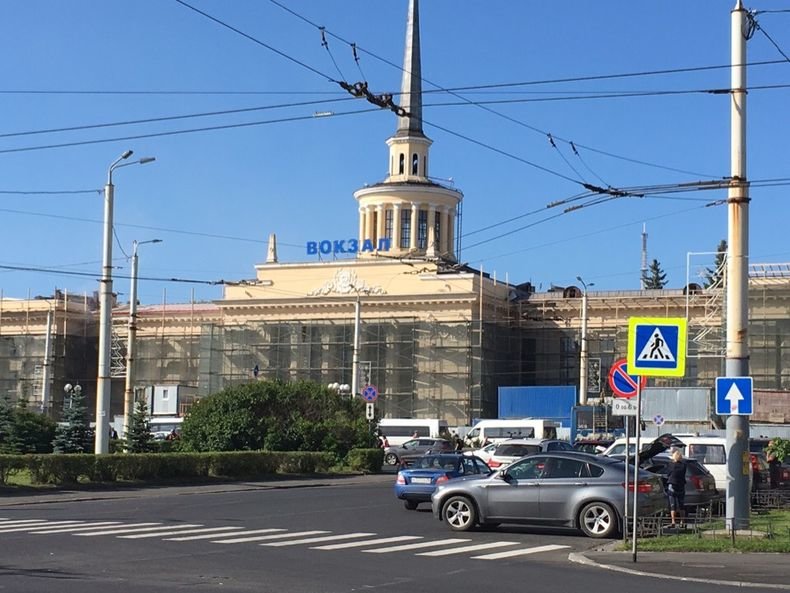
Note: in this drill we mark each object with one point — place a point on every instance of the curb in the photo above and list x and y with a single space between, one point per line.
581 558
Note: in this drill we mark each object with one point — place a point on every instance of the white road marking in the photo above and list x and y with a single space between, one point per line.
258 538
383 540
121 529
178 532
463 549
438 542
522 552
315 540
213 535
85 527
23 522
38 526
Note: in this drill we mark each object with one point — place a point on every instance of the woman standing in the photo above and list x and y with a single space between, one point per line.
676 486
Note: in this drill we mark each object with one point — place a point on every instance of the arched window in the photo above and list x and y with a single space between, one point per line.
415 161
402 165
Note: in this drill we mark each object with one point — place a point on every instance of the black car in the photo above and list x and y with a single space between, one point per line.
700 483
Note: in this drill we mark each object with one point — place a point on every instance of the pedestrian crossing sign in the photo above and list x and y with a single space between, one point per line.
657 346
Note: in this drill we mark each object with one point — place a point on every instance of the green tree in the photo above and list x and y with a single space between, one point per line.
8 442
34 432
715 276
74 435
654 278
139 438
780 448
277 416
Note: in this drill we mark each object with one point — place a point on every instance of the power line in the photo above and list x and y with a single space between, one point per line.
258 41
93 275
170 92
49 193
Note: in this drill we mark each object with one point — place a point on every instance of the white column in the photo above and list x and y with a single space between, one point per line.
415 208
451 232
444 240
396 226
431 250
368 224
379 223
362 222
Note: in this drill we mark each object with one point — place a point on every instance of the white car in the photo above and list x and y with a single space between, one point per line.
485 453
511 450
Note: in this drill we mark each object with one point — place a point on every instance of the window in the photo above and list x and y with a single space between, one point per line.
402 164
415 161
708 454
437 228
594 471
470 467
406 431
510 432
164 394
517 450
558 467
375 226
422 229
405 228
529 469
559 446
388 223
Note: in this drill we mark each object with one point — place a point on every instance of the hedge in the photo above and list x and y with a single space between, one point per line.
66 469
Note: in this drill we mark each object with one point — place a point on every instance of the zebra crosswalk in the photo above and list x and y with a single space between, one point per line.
276 537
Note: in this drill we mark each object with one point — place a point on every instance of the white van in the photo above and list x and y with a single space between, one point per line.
400 430
494 431
710 451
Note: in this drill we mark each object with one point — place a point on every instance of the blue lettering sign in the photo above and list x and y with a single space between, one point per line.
312 248
353 245
338 247
385 243
367 245
325 247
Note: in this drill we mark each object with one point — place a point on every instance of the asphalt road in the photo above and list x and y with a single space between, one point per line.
289 540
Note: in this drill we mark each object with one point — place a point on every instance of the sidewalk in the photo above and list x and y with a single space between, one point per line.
766 571
10 497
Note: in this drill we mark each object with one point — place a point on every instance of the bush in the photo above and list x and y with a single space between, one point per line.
11 464
365 460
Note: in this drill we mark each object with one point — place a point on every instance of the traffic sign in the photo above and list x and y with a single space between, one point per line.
370 411
623 407
734 396
370 393
623 384
658 420
657 346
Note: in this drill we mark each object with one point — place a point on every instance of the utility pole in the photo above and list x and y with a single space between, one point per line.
355 353
45 371
583 358
737 360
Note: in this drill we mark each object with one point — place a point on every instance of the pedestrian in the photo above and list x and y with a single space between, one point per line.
774 465
676 486
458 442
113 434
414 436
383 442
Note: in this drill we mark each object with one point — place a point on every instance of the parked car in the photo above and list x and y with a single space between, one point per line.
700 484
761 479
411 449
758 445
416 484
568 489
485 453
509 451
593 446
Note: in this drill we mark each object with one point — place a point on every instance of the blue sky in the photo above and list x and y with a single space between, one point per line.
74 64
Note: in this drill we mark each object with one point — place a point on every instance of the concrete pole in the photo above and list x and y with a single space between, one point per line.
45 371
355 354
583 354
737 361
128 395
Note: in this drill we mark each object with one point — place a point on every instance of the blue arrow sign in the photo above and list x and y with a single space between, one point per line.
734 396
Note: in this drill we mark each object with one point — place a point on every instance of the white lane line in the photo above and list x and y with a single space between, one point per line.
383 540
38 526
86 527
257 538
464 549
122 529
438 542
315 540
214 535
203 530
23 522
522 552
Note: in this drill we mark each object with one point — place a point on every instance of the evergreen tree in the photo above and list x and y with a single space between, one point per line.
75 435
139 438
715 276
654 278
8 442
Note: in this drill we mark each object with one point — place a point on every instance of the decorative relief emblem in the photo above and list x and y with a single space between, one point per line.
346 282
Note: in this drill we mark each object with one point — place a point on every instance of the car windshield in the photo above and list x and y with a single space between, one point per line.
437 462
516 450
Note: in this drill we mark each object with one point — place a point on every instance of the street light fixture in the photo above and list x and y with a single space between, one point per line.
340 388
128 396
72 390
103 382
583 354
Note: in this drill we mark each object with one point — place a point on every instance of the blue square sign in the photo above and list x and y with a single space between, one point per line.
734 396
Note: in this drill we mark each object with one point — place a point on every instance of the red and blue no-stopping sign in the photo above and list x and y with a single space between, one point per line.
623 384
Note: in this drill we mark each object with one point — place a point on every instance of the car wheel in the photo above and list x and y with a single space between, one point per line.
410 504
459 513
391 459
598 519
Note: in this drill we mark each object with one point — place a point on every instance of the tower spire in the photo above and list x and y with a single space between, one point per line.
411 84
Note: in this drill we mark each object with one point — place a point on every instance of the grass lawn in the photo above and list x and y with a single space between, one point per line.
774 523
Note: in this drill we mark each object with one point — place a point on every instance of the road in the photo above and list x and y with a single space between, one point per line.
288 540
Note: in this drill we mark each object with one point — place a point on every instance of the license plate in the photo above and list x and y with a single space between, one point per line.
420 480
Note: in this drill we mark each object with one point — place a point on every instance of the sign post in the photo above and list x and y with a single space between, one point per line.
656 348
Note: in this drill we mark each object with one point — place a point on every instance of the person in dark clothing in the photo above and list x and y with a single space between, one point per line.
676 486
774 466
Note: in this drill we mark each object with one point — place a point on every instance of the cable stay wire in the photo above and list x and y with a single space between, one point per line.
757 25
586 166
567 162
120 245
117 276
325 45
63 192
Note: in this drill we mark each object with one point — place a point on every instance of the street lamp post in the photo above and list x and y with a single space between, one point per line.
103 381
72 390
128 396
340 388
583 346
355 353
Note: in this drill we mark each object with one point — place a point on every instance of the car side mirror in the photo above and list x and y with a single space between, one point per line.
503 475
